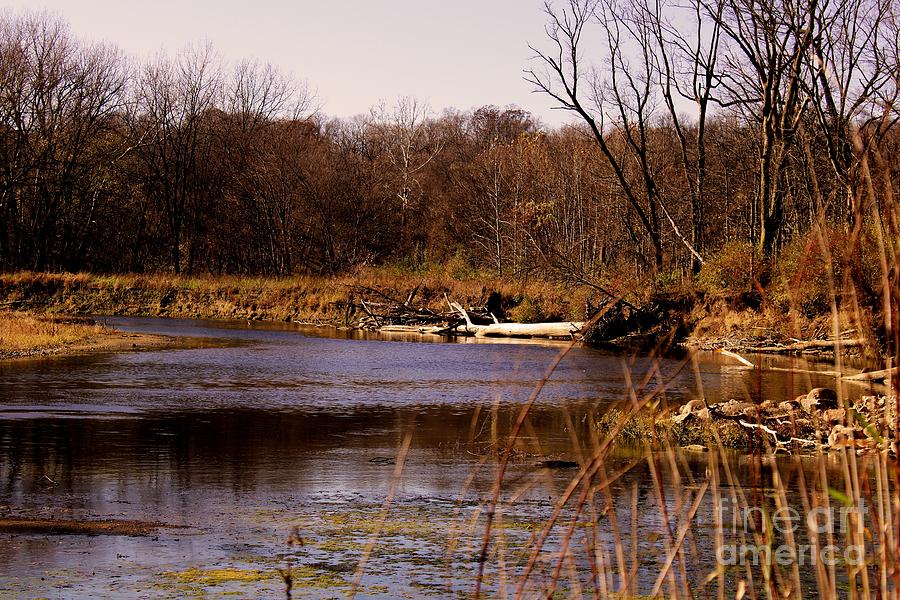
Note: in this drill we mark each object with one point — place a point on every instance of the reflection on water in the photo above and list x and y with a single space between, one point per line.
278 422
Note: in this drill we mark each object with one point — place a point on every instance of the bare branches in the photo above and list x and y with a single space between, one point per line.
58 97
621 108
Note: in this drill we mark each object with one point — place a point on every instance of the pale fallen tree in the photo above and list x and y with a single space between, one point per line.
806 346
865 378
800 347
386 314
882 375
497 329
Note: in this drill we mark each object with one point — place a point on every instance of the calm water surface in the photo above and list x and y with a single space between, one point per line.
266 426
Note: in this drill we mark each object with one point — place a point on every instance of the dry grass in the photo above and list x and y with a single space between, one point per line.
24 333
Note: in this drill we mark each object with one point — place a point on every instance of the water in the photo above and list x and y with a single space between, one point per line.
263 427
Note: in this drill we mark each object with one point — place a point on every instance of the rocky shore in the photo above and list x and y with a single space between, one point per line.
816 420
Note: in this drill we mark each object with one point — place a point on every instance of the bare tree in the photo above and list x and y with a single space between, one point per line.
57 108
685 51
763 76
170 122
617 109
406 140
850 69
263 140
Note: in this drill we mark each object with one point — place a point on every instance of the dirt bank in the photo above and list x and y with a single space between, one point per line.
25 525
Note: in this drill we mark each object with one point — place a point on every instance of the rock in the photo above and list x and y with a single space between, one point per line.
694 405
736 408
789 406
682 416
803 425
819 399
841 435
834 415
693 409
879 411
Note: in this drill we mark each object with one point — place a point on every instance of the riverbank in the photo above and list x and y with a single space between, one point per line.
746 321
299 298
26 335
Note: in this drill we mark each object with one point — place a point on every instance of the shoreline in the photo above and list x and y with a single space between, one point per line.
667 319
30 336
113 341
301 298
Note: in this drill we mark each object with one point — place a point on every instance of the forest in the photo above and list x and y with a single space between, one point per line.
701 129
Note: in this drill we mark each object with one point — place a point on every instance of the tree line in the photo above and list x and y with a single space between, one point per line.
699 123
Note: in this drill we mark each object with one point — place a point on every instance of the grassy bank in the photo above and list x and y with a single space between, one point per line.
299 298
702 318
24 335
24 332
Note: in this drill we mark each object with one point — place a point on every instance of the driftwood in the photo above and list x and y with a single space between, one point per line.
423 329
737 357
873 376
529 329
380 311
804 346
881 375
780 444
805 371
565 329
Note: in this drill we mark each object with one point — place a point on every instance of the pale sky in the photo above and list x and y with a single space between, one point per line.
352 53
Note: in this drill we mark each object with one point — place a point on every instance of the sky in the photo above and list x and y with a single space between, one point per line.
352 53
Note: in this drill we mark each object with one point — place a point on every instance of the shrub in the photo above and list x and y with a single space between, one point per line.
865 270
528 310
458 267
732 270
660 430
669 281
813 269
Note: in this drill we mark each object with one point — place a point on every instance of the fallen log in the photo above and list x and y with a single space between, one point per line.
837 374
424 329
750 365
737 357
565 329
529 329
881 375
369 313
394 316
803 346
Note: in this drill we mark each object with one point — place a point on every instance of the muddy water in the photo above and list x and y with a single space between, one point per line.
262 428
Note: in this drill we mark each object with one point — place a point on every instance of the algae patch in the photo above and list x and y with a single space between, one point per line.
217 576
310 577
